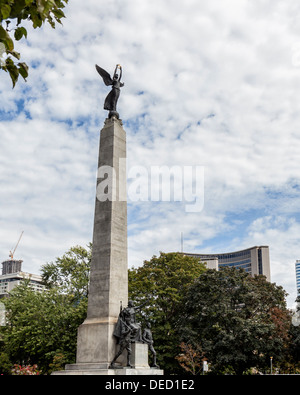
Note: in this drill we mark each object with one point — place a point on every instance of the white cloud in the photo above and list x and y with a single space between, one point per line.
211 84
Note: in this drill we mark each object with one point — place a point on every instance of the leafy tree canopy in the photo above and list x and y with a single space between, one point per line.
13 14
238 320
70 273
161 283
42 327
233 320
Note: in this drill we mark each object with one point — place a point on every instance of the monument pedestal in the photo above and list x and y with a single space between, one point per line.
139 361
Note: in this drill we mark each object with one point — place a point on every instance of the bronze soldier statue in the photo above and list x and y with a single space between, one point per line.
127 331
148 338
124 339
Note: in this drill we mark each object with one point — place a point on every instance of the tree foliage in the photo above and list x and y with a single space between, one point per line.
70 273
292 362
162 283
13 14
238 320
191 359
233 320
42 327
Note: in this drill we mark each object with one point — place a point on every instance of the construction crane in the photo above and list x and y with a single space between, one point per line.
11 255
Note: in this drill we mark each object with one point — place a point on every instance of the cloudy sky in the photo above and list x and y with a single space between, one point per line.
211 85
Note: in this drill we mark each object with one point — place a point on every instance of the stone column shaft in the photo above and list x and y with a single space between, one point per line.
109 268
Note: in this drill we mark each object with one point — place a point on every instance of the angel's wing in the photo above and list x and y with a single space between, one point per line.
104 74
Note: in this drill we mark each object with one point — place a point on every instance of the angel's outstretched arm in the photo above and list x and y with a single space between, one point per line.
121 83
120 67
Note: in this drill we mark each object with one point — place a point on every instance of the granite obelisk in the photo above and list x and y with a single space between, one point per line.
109 268
108 288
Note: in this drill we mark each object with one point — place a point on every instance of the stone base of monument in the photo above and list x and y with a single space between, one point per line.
139 362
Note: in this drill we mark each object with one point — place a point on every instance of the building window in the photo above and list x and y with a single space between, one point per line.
260 266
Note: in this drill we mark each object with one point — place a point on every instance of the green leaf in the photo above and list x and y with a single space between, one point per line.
58 14
17 10
3 33
15 54
23 70
9 43
5 11
13 71
5 38
51 21
20 32
36 20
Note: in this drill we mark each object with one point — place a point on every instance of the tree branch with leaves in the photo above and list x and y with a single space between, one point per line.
13 13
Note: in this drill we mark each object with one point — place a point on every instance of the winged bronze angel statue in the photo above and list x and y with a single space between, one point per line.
111 100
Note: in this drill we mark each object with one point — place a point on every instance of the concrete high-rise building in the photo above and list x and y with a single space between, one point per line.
12 276
254 260
297 266
11 266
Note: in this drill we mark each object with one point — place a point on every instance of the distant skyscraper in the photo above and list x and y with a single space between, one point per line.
12 276
297 264
254 260
11 266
